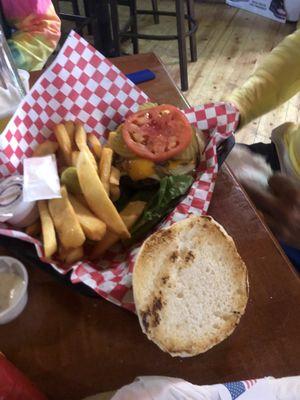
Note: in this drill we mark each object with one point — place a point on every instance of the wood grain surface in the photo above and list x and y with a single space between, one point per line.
72 345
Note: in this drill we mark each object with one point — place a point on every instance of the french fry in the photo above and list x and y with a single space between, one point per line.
100 248
132 212
74 255
114 181
92 226
64 142
80 136
34 229
70 256
49 238
129 215
66 221
111 137
95 145
115 192
44 149
105 167
97 198
80 197
62 253
60 159
75 155
81 141
70 128
114 176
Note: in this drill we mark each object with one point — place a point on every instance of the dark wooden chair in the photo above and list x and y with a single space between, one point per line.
82 21
91 19
131 30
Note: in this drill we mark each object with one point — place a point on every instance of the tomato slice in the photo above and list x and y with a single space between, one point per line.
157 133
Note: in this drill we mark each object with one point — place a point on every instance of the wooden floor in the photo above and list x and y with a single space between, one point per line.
230 43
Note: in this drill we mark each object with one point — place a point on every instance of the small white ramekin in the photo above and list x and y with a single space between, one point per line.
19 304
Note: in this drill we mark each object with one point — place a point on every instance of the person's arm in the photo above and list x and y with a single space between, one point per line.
280 207
275 81
37 31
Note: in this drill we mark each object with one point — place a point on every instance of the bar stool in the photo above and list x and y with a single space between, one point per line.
96 18
181 31
80 20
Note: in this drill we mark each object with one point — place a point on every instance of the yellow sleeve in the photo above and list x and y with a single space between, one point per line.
292 143
275 81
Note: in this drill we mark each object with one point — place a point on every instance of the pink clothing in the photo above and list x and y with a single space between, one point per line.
35 31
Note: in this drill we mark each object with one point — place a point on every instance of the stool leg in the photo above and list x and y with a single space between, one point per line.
56 6
155 9
75 7
88 14
181 44
193 44
97 9
134 29
76 11
115 26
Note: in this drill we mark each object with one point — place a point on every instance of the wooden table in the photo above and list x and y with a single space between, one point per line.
72 345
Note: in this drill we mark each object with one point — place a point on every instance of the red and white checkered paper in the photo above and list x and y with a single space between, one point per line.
83 85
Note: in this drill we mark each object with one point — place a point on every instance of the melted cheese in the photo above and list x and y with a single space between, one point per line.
140 168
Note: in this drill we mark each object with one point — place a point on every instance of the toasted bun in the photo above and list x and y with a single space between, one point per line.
190 286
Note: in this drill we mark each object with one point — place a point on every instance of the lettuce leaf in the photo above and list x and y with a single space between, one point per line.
171 189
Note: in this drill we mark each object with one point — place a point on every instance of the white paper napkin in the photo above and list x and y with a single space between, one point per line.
41 181
164 388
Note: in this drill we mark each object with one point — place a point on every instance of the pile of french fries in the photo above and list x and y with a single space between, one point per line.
85 223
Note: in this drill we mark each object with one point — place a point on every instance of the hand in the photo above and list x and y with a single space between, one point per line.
280 207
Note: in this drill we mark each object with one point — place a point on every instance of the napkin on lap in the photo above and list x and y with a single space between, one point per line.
287 388
164 388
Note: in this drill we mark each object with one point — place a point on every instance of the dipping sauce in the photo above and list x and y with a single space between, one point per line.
11 286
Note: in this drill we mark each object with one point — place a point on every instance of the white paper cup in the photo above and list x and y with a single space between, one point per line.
19 304
24 75
7 112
